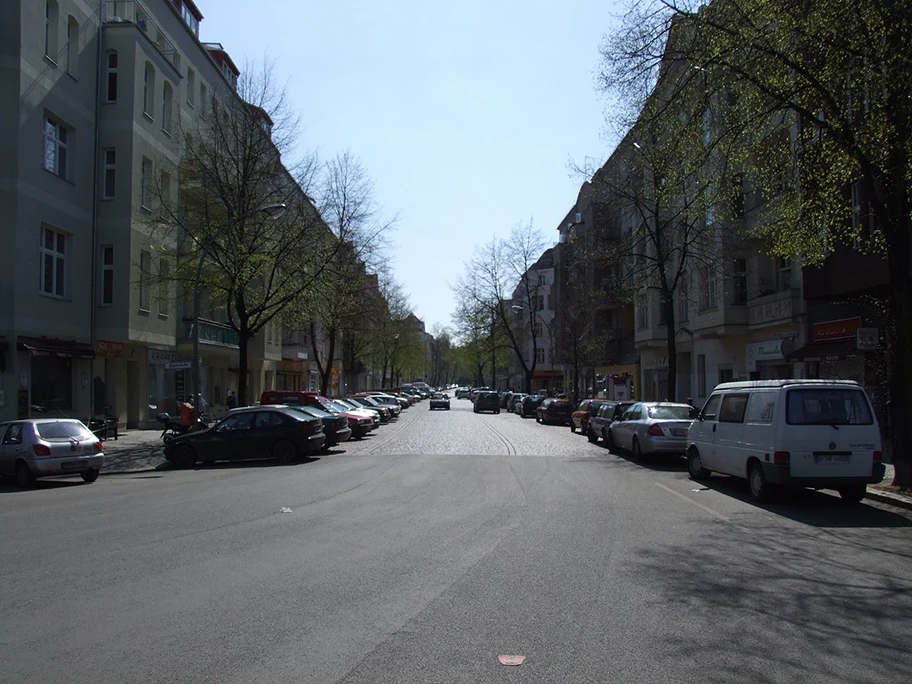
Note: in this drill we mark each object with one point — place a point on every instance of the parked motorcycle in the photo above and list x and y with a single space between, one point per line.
174 428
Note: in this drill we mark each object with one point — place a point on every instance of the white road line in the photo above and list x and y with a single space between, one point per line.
691 501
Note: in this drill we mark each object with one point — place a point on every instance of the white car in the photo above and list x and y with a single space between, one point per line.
800 433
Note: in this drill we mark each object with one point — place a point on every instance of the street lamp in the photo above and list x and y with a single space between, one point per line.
273 211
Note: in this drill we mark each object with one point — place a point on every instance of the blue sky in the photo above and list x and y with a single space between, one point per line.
464 114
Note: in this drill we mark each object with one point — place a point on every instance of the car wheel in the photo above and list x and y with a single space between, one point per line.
695 465
497 411
184 457
609 441
25 478
636 454
538 418
572 427
284 451
759 487
853 493
90 475
591 436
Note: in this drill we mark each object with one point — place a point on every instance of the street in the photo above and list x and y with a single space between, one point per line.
423 552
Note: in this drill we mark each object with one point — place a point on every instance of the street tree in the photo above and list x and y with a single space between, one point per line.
836 76
243 233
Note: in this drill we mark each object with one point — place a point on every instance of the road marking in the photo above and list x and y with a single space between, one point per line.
691 501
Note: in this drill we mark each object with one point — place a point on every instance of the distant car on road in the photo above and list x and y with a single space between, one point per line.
439 400
462 392
486 401
42 447
278 432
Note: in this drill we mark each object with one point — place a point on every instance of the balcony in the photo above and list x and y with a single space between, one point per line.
211 333
131 12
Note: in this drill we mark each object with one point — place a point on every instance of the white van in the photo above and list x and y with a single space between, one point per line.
799 433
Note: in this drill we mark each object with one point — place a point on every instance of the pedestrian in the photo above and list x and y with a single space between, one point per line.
231 400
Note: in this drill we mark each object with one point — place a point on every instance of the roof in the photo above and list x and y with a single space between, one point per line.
783 383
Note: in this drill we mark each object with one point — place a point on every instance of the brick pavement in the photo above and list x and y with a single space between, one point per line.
134 451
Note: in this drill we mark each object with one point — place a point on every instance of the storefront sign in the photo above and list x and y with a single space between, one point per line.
774 311
110 350
158 356
762 351
867 339
178 365
843 329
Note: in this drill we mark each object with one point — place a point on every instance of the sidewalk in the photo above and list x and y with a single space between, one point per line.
887 494
133 451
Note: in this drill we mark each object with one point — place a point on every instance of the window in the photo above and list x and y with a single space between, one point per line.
708 292
861 229
164 282
167 107
145 271
701 375
204 99
760 407
13 434
711 407
827 407
541 278
149 90
540 355
683 303
709 196
190 20
732 410
107 275
72 49
642 310
537 328
165 189
726 374
663 315
111 76
707 126
50 30
109 176
52 382
56 140
739 282
191 88
784 274
53 262
541 303
145 183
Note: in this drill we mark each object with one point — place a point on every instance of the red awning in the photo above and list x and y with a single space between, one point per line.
831 350
51 346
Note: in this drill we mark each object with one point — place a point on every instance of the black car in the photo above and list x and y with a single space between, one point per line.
335 426
486 401
278 432
607 413
529 405
554 411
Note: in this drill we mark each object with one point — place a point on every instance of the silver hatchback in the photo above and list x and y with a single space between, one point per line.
49 446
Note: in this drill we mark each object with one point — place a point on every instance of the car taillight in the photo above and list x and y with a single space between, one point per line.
313 428
655 431
781 458
878 457
41 450
98 447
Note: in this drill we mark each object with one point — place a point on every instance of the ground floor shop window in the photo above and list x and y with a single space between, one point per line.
166 389
52 382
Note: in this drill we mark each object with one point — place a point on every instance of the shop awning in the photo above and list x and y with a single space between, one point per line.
831 350
48 346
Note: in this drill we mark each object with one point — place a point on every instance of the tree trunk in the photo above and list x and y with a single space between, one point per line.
900 371
330 355
243 359
672 341
315 350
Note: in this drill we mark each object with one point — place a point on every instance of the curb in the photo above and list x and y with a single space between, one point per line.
147 469
890 499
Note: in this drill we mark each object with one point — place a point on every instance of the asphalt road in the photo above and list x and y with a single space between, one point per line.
423 552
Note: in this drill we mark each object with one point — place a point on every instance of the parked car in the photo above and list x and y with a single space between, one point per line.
356 421
335 426
606 414
278 432
388 398
385 412
554 411
799 433
652 428
380 400
486 401
439 400
529 405
580 417
352 409
41 447
505 398
514 400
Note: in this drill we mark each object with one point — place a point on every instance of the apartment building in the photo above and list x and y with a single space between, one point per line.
90 321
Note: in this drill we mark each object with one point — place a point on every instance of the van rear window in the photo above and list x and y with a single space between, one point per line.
824 406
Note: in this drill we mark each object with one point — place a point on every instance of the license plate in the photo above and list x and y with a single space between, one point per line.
70 465
831 458
679 432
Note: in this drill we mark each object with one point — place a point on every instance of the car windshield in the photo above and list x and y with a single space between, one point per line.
825 406
63 430
672 412
339 406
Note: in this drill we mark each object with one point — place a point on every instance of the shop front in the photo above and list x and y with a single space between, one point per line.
54 377
766 361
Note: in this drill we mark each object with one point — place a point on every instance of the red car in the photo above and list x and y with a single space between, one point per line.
360 424
580 417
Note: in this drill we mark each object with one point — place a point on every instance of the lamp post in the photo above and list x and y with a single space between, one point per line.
273 211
